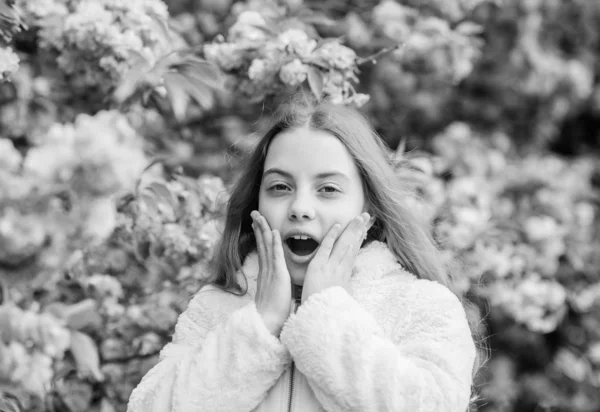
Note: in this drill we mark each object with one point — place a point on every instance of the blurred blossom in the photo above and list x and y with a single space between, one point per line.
228 56
541 228
293 73
581 77
103 150
359 34
10 158
175 245
21 236
214 191
575 367
258 70
55 157
458 236
101 219
492 258
296 41
42 9
104 286
336 55
358 99
40 330
262 59
248 28
586 299
394 19
31 370
585 214
9 63
539 304
112 309
210 232
469 191
594 353
110 33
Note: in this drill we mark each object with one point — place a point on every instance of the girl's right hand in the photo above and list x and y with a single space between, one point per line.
274 287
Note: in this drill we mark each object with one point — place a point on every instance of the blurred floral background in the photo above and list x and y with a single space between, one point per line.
122 123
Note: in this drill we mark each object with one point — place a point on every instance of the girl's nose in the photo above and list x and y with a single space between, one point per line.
301 209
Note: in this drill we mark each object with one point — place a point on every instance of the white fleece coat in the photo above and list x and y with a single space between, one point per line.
391 342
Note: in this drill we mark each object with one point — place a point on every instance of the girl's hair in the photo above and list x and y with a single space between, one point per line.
395 224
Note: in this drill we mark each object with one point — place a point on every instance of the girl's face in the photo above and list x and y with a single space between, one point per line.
310 182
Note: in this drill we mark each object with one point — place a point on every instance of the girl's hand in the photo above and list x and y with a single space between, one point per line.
274 288
334 261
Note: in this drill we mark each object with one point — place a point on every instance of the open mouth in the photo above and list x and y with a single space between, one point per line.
302 245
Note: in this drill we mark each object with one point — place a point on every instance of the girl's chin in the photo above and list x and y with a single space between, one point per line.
297 274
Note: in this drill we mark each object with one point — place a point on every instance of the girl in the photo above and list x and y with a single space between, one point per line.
327 294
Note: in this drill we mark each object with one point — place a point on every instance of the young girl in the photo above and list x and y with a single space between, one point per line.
327 294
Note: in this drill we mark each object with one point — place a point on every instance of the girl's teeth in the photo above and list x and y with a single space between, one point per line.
301 237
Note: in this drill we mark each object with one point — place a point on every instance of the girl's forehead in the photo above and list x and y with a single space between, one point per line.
306 150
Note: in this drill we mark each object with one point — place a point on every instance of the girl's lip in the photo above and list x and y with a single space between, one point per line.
299 260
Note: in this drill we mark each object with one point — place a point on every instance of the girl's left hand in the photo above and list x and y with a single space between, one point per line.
334 261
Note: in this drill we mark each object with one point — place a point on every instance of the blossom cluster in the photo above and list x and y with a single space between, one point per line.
9 63
103 152
30 343
31 371
109 34
176 219
429 44
93 158
267 51
515 222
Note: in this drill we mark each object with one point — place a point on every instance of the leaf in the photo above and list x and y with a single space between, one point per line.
201 70
176 93
326 40
85 353
149 203
162 25
83 314
166 201
8 405
132 79
57 309
74 394
316 18
200 92
106 406
469 28
315 81
161 191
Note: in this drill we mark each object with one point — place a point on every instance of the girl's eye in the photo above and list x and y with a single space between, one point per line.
278 187
330 189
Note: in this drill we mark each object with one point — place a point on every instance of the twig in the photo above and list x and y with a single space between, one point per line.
373 58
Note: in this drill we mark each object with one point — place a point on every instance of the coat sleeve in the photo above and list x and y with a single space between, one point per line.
216 361
352 366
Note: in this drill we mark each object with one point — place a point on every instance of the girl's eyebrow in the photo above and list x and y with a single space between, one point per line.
321 175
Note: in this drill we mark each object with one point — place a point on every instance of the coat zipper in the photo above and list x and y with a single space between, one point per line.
295 307
291 388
